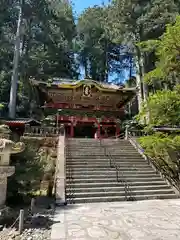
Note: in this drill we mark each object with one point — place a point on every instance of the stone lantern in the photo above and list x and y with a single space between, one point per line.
7 147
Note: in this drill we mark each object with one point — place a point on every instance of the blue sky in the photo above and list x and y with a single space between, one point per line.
80 5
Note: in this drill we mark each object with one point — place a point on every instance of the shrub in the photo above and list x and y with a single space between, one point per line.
164 150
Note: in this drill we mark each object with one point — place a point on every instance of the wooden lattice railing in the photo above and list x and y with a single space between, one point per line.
43 131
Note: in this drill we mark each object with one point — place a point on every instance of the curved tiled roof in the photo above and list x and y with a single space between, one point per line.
60 82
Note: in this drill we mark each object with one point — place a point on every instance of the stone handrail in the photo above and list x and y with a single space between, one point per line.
119 173
133 133
60 174
168 129
139 133
6 171
43 131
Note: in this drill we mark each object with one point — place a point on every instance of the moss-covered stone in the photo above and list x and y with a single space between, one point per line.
33 167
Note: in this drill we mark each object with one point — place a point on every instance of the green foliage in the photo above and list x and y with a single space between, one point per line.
167 51
134 21
163 108
1 106
164 151
92 43
99 56
35 165
149 45
47 47
104 41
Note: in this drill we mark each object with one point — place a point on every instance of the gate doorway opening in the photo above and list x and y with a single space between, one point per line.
85 130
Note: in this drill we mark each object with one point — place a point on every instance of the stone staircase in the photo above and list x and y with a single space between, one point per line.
90 178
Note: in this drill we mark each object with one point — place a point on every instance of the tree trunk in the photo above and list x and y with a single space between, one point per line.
85 63
139 78
143 95
145 69
14 79
50 189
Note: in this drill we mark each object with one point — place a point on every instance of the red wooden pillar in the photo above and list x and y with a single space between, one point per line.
104 128
72 130
99 131
106 134
117 128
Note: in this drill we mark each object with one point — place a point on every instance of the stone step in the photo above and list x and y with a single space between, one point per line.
74 144
123 175
101 156
113 179
92 140
98 147
105 144
82 140
104 141
101 169
102 153
84 145
110 172
105 159
112 143
107 141
105 168
118 193
105 163
118 184
90 178
97 140
121 198
70 189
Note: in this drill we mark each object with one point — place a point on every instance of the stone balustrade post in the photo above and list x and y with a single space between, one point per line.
60 178
27 128
126 133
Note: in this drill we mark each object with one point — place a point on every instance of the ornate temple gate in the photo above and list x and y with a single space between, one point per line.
85 101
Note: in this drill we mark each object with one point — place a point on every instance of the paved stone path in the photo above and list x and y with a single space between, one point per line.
143 220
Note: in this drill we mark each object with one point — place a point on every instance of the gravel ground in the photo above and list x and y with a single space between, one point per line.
37 227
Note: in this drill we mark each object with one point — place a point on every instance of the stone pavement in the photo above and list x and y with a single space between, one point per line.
143 220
